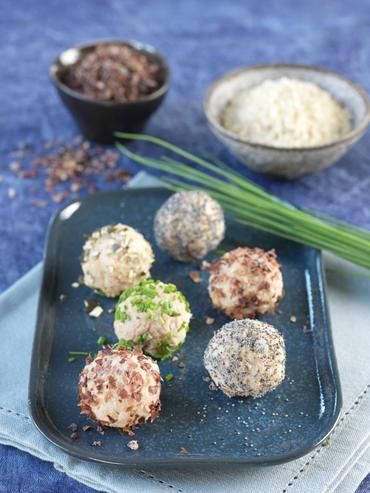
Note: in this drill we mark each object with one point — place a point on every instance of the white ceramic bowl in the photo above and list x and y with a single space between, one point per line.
286 162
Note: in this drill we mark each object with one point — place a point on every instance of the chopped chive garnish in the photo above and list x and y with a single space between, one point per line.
101 341
78 353
169 377
71 360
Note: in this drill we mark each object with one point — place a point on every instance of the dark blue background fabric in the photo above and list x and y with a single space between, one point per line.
201 41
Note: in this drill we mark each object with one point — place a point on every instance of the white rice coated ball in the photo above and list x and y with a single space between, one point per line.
114 258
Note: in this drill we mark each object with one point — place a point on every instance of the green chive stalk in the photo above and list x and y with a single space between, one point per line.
249 204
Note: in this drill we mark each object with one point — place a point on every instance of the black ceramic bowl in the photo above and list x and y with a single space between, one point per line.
98 120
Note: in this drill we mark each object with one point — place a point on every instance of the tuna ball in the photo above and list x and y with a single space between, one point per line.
153 315
114 258
246 358
189 225
120 388
246 281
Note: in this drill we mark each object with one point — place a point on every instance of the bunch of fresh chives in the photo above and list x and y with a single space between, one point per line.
249 204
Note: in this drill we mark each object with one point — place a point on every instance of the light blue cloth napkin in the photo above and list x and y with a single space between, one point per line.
338 467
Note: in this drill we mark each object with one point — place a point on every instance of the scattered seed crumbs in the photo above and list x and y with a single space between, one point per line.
59 197
133 445
326 442
73 435
195 276
75 285
293 318
90 304
219 252
96 312
102 341
14 166
100 429
205 265
212 386
174 359
73 427
206 379
87 428
181 364
96 443
39 203
71 360
62 297
12 193
169 377
183 450
72 165
210 320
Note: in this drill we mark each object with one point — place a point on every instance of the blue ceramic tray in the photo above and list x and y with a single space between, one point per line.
278 427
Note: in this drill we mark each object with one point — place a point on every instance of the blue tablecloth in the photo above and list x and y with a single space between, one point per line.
201 41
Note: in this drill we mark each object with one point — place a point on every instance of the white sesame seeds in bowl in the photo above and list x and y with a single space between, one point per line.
287 120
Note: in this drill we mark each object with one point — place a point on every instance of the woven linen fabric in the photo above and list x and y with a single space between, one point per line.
336 467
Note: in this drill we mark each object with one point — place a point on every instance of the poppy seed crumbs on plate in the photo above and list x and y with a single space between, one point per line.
189 225
246 358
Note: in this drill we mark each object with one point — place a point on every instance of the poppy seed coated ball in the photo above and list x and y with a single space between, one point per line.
189 225
246 358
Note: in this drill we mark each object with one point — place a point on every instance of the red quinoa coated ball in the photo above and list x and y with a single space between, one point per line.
120 388
246 281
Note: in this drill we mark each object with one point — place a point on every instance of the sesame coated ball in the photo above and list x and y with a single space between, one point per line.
246 281
246 358
189 225
120 388
115 257
154 315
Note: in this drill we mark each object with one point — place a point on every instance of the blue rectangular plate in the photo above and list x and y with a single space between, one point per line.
278 427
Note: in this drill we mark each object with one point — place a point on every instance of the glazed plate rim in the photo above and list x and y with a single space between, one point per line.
45 426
